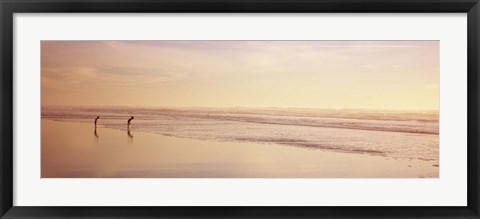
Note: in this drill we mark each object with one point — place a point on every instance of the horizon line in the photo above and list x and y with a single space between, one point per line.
245 107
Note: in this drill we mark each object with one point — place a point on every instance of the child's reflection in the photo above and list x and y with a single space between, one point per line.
129 133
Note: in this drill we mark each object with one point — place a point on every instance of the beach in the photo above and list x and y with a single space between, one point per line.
240 109
75 149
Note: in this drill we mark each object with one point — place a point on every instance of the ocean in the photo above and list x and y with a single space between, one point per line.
393 134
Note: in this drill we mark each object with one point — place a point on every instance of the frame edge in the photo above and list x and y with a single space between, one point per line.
6 134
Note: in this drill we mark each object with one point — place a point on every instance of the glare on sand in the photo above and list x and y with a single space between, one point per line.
78 150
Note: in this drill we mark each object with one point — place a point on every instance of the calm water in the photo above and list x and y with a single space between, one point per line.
396 134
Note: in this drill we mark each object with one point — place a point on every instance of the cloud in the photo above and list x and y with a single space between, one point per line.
230 71
105 77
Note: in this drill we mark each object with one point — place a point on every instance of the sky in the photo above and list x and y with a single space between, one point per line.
396 75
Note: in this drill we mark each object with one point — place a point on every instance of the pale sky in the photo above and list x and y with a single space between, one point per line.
304 74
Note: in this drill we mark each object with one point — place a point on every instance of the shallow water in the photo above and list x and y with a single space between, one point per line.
395 134
77 150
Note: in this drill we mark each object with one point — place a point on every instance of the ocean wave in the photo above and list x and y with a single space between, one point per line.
413 136
410 122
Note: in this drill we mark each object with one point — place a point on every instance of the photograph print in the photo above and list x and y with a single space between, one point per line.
239 109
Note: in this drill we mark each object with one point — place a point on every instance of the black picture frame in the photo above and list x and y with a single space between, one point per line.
9 7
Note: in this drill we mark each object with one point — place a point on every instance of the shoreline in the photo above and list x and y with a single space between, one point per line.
101 153
298 144
323 126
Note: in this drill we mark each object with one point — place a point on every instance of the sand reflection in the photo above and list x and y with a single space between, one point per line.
129 133
70 151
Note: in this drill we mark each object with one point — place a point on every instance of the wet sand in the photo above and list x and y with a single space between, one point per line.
76 150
